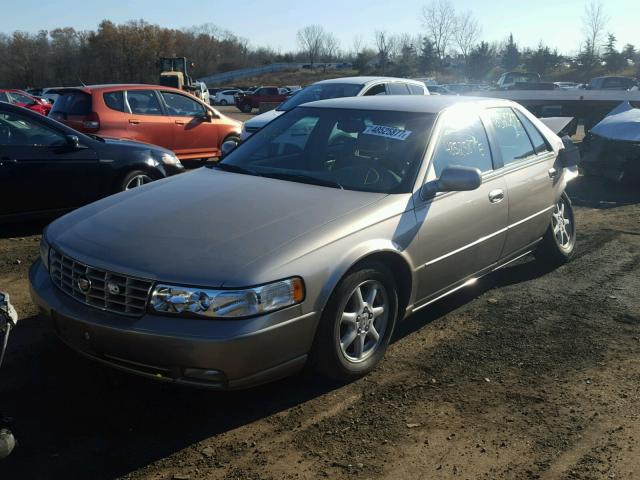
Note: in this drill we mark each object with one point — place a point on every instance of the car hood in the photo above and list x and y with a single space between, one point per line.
261 120
199 228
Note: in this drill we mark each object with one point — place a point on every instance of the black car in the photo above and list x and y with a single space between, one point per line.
48 168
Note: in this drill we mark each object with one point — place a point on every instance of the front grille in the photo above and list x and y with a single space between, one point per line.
105 290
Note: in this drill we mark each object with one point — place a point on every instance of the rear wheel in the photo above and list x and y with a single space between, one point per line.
357 324
559 241
223 102
134 179
246 108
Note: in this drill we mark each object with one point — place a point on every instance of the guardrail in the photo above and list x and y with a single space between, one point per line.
219 78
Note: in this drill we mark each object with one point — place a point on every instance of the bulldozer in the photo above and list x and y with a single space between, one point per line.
174 73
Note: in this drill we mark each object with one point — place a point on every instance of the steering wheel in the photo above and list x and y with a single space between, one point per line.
365 175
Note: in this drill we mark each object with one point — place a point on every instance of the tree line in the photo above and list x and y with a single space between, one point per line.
449 47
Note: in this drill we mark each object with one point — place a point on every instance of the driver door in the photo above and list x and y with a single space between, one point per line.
460 233
40 168
195 135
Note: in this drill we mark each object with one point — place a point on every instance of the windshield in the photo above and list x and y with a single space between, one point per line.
322 91
365 150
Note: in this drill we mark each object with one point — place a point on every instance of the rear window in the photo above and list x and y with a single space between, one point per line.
72 103
114 100
398 89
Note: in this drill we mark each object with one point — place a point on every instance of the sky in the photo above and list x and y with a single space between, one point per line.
557 23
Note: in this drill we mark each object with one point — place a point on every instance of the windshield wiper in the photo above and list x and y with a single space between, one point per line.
228 167
299 177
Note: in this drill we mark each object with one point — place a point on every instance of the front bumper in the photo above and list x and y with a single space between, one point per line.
222 354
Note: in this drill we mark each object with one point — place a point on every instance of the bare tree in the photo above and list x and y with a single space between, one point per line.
466 33
358 43
386 45
330 47
594 22
439 19
311 41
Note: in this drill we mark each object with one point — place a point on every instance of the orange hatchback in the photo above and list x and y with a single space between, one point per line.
153 114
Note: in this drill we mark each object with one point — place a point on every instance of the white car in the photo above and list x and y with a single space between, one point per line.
225 97
202 92
337 88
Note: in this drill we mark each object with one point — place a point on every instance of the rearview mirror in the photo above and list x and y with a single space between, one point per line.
227 147
73 141
453 179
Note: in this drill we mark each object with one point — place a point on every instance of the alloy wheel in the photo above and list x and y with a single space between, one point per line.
138 181
561 223
364 321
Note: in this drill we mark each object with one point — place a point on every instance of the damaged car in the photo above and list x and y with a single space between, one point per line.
612 147
307 246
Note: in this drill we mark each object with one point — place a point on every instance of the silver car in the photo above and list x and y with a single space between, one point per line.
308 242
336 88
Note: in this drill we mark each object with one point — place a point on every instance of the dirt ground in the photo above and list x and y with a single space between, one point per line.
529 374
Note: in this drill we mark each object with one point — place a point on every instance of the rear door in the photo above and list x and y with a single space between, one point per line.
460 233
40 168
527 167
147 121
397 88
195 134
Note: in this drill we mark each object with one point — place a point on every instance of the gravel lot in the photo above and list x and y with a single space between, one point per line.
529 374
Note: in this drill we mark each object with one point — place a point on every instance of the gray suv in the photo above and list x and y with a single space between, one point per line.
337 88
307 244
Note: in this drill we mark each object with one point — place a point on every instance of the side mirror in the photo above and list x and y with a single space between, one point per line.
227 147
73 141
453 179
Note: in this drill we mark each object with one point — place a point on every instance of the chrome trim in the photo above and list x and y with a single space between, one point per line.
471 281
487 237
67 274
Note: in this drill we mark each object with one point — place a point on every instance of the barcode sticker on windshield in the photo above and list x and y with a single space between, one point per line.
388 132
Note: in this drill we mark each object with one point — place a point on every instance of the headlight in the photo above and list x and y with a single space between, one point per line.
44 252
169 159
227 303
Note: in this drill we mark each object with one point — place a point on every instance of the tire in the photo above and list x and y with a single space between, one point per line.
345 346
135 177
223 102
558 244
246 108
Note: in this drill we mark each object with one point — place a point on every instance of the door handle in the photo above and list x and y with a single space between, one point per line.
553 173
179 122
496 196
134 121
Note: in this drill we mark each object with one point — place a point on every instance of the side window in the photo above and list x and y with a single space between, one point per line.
376 90
143 102
18 130
461 143
539 143
513 141
20 98
415 89
3 97
182 105
398 89
272 91
114 100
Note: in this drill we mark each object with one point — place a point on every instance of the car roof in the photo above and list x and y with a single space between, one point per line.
364 79
405 103
116 86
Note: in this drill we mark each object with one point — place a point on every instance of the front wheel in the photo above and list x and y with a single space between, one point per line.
223 102
357 324
559 241
247 108
135 179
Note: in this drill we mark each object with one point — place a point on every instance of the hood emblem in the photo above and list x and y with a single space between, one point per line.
83 284
113 288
